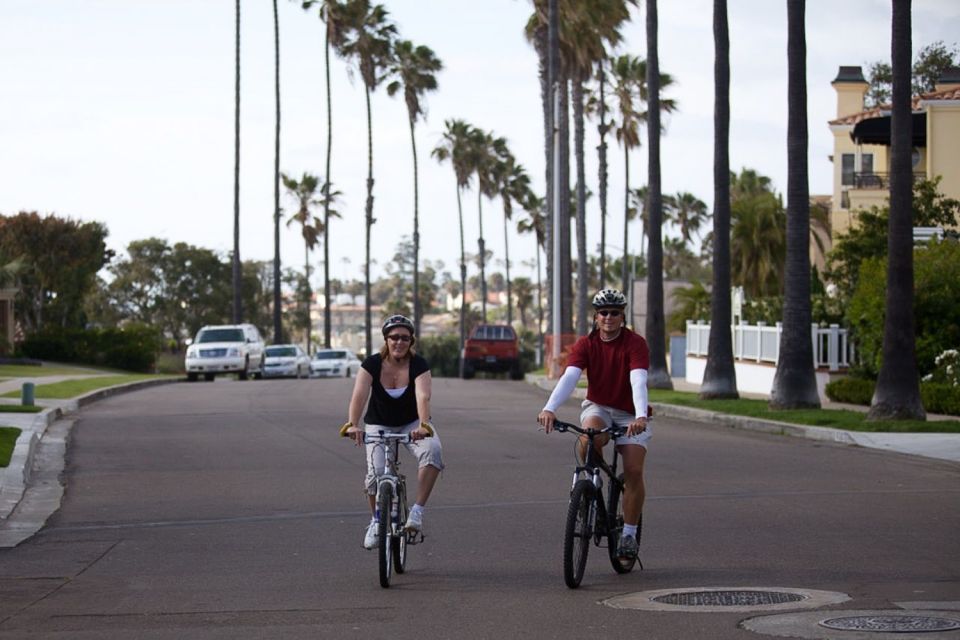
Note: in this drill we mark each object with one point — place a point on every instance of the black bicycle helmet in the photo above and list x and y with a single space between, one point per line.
609 298
397 321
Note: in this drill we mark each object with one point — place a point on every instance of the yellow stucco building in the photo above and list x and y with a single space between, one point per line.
861 144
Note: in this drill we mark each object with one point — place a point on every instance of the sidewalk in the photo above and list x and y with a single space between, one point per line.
942 446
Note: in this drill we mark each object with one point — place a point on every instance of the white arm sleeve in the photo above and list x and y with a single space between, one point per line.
565 386
638 380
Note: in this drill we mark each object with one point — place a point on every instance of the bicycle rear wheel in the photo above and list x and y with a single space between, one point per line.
384 553
615 528
400 541
578 532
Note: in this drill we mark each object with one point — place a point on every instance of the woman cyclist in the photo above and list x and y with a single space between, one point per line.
397 384
616 360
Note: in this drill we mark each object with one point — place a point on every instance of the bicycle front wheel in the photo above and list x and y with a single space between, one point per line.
578 532
400 540
615 528
384 528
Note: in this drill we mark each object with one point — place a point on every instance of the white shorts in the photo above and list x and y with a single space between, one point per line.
427 451
609 415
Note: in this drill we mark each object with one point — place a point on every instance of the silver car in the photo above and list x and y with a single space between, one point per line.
286 361
334 363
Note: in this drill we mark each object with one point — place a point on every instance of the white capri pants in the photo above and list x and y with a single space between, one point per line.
609 415
427 451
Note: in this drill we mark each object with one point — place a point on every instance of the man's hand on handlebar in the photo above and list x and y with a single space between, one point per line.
638 426
546 420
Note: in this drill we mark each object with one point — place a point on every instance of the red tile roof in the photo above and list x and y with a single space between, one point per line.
884 109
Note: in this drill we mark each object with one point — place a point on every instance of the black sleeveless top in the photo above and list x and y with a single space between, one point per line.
387 411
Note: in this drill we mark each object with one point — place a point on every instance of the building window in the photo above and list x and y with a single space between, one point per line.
846 169
866 163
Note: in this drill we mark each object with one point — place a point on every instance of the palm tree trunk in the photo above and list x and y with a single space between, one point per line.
897 395
483 255
308 293
463 284
795 383
277 323
327 315
539 308
624 283
506 262
602 178
659 377
368 337
566 269
237 305
578 134
720 376
416 236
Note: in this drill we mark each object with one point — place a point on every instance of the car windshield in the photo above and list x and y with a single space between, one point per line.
494 332
220 335
330 355
281 352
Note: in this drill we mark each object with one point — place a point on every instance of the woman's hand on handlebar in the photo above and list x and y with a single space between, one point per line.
425 430
350 430
546 420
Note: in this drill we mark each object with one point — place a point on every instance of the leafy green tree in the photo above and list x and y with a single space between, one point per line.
414 68
60 259
932 61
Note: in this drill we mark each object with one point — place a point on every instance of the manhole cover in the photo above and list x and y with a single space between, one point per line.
729 598
892 624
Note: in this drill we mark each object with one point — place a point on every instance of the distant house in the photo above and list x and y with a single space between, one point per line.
861 148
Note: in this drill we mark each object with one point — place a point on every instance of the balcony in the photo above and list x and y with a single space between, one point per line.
873 180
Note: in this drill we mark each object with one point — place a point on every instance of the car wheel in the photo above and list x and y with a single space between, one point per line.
192 377
209 377
242 375
346 374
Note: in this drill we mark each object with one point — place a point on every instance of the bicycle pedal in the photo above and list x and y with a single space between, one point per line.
414 537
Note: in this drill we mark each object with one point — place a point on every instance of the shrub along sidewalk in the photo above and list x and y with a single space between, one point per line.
8 439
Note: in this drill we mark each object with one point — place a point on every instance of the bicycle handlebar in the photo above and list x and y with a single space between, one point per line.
383 436
614 430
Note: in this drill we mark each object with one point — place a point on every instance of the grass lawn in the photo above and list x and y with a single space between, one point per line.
30 371
8 438
73 388
19 408
834 418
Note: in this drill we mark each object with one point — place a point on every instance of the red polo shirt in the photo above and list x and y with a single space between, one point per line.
608 366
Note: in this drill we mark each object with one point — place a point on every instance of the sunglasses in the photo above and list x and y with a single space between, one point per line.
398 337
609 312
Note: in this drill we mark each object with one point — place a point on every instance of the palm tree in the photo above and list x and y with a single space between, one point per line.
638 209
235 261
277 318
455 148
897 394
659 376
719 376
369 42
514 184
688 212
757 244
414 68
536 223
485 151
332 13
628 73
795 382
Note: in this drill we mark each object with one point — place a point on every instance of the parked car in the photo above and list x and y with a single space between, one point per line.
227 348
492 347
286 361
333 363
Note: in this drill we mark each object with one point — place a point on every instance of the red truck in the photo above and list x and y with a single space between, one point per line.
492 347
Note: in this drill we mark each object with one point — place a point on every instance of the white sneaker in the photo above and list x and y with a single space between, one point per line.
414 521
372 538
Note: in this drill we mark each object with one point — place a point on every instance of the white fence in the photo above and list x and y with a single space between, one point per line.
761 343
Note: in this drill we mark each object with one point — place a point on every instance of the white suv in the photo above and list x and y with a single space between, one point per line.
225 348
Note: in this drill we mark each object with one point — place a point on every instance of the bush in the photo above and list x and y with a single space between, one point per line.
937 397
442 353
851 390
132 348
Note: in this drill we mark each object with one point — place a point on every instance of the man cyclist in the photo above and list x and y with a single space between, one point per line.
616 360
397 383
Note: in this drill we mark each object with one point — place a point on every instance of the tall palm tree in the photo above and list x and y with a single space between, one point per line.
485 150
455 148
897 394
757 244
536 223
719 375
628 74
235 261
514 186
277 317
332 13
304 191
795 382
368 41
659 376
414 68
688 212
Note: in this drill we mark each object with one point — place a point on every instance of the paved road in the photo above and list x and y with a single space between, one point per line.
230 510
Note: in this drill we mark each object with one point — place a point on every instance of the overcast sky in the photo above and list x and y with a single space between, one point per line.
121 111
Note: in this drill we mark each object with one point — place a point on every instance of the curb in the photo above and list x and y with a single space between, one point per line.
15 476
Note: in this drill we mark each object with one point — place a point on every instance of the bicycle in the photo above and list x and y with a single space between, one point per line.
391 505
588 517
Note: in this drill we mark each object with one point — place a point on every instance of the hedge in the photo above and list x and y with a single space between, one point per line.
937 397
131 348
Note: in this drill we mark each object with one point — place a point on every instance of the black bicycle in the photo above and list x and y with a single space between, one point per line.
589 516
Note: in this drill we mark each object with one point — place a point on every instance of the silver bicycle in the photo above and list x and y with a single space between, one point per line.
391 505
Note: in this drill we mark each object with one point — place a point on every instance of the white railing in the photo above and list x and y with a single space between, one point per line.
761 343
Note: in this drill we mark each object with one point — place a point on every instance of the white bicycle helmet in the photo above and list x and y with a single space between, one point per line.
609 298
397 321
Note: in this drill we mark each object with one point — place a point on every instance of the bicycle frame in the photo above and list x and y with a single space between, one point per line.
592 467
